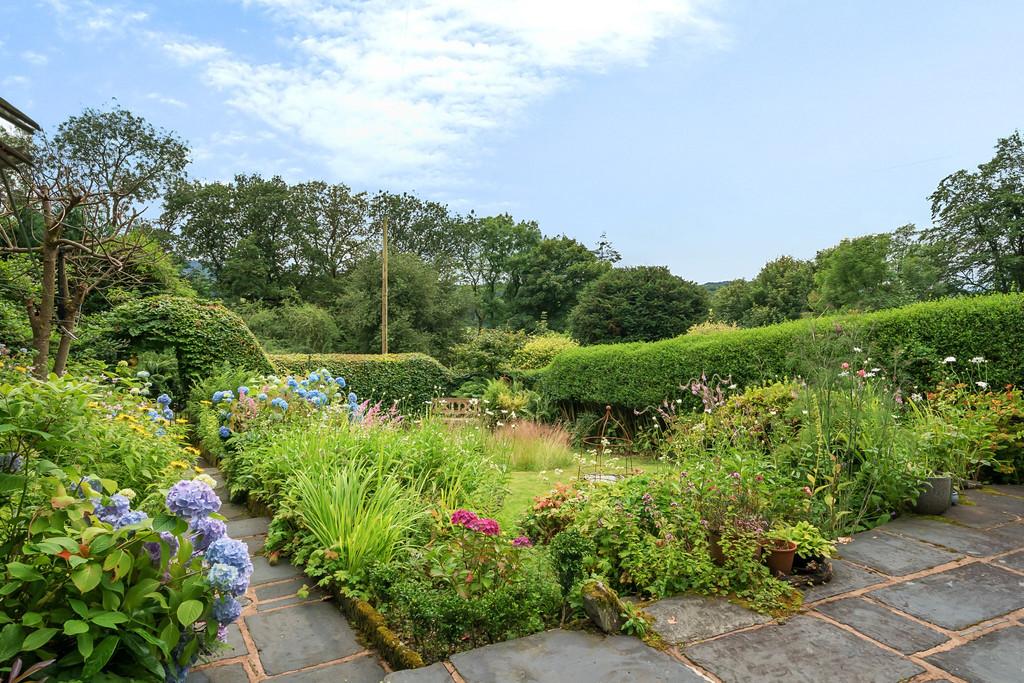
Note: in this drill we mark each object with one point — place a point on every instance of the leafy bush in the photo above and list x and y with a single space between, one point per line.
912 340
540 350
293 328
412 379
488 354
204 334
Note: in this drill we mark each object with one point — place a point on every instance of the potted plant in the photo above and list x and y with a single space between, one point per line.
802 540
780 552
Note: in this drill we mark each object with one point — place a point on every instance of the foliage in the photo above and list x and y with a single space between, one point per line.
778 293
569 551
810 543
528 446
637 304
913 340
488 354
412 379
293 328
540 350
204 335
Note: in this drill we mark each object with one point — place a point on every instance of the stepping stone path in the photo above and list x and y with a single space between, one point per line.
919 599
281 637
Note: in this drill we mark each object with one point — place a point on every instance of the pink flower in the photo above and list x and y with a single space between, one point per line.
807 490
522 542
845 366
862 372
464 518
486 526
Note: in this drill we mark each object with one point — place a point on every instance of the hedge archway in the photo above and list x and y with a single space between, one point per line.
205 335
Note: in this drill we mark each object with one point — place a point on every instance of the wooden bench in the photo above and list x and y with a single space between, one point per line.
457 410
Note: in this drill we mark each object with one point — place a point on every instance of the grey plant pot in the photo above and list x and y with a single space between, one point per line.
937 498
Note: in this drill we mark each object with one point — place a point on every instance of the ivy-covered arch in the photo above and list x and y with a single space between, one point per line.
205 335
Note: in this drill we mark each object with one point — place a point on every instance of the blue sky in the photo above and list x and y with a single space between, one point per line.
706 136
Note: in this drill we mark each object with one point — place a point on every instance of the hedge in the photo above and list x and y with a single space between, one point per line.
205 335
412 379
913 341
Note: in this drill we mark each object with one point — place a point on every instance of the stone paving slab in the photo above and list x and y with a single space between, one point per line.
883 625
562 656
845 578
958 598
1012 534
264 572
359 670
251 526
283 589
435 673
230 673
255 544
236 646
894 555
233 511
1014 561
948 535
996 657
687 618
301 636
803 650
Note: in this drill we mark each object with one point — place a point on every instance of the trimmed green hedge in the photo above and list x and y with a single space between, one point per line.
204 334
412 379
912 340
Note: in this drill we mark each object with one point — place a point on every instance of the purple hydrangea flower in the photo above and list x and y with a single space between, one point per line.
94 483
222 577
112 511
224 432
207 530
226 610
129 518
192 499
153 548
522 542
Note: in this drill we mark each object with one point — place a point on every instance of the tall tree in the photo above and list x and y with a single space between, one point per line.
418 227
978 217
77 211
333 227
552 274
643 303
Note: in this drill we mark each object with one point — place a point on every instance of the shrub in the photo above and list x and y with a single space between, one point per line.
411 379
294 328
488 354
540 350
913 339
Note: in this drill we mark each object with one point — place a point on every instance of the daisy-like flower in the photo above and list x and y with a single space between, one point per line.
949 359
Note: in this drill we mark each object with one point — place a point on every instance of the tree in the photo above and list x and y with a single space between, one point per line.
201 216
857 274
424 310
731 303
76 211
606 251
779 292
978 219
642 303
418 227
552 274
333 229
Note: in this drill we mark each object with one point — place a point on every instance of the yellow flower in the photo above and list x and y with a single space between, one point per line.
21 368
192 450
179 464
182 421
206 403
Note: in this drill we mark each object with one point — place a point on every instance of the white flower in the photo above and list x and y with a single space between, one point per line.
916 397
949 359
876 369
206 479
732 386
679 400
127 493
857 349
844 373
978 360
983 385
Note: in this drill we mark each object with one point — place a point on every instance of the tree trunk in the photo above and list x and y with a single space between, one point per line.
40 316
67 328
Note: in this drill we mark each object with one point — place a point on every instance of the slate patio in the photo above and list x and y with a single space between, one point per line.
919 599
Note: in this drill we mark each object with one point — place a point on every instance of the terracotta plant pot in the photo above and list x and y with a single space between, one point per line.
780 556
715 548
937 498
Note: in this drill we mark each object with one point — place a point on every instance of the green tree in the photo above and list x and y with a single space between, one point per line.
857 274
978 220
731 303
77 213
642 303
487 354
552 274
332 232
779 292
418 227
201 216
424 311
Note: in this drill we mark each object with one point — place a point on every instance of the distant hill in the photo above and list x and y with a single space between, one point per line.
712 286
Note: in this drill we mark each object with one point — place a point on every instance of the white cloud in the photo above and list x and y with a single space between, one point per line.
164 99
91 19
386 89
19 81
35 58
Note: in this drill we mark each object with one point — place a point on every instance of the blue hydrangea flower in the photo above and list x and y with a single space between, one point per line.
302 392
218 396
222 576
314 377
243 390
304 382
191 499
116 508
129 518
160 431
11 463
224 432
141 374
352 398
207 530
261 396
226 610
292 382
167 414
153 547
340 381
93 483
163 399
229 551
152 414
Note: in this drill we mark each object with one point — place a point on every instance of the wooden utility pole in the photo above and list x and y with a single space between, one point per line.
384 293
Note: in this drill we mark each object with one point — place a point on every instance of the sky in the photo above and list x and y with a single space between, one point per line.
706 135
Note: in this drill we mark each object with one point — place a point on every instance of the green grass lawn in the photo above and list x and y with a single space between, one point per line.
525 486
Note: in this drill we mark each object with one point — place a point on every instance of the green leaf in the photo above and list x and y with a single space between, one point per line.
87 577
101 544
165 523
189 611
137 593
72 627
108 619
23 571
85 644
38 638
11 638
32 619
79 607
12 482
170 634
100 656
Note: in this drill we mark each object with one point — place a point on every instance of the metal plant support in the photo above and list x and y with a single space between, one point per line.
606 441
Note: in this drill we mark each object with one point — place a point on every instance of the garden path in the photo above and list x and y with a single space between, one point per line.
919 599
281 637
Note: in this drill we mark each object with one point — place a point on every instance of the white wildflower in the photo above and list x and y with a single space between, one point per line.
857 349
949 359
978 360
983 385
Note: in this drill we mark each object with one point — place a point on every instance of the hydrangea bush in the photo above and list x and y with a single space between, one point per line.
109 591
